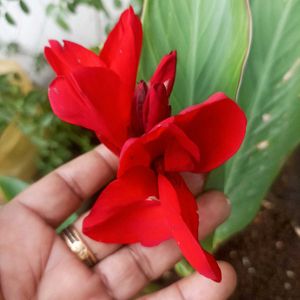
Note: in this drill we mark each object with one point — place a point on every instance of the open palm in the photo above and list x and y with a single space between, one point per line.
35 263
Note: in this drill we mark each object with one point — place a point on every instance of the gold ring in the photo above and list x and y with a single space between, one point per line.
73 240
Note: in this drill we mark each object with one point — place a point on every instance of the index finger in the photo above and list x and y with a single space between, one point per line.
62 192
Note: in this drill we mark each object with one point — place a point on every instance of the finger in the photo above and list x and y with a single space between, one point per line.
195 183
65 277
136 265
99 249
197 287
60 193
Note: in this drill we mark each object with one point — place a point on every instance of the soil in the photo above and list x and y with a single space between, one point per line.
266 255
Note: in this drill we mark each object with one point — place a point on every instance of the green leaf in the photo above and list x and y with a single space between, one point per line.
11 186
270 95
50 9
62 23
151 288
211 39
12 48
71 7
10 20
207 243
183 268
24 7
117 3
67 223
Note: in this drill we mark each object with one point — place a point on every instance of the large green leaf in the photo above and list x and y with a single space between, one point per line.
270 95
211 39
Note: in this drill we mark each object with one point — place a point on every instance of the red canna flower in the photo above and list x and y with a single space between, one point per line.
149 201
98 92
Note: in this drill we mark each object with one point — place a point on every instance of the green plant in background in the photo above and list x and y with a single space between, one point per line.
56 141
213 40
59 10
62 9
8 16
270 96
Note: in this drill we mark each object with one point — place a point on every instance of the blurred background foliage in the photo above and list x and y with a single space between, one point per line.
33 141
60 10
30 112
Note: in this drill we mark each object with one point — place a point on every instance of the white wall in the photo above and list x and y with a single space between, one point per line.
33 31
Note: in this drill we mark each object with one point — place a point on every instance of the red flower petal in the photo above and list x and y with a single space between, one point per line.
202 261
134 154
217 126
67 58
199 139
187 208
137 123
121 51
165 72
166 143
128 211
113 113
181 153
59 67
156 107
68 105
81 55
82 103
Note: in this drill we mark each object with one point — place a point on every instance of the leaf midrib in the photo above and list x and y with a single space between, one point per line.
192 57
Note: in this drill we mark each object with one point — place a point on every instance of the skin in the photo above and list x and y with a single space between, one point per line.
35 263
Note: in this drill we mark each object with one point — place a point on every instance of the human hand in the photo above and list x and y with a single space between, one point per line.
35 262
